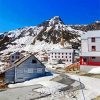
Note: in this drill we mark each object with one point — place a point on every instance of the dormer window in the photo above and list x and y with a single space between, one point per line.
93 39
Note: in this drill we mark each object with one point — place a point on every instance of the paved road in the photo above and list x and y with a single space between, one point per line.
28 93
22 93
65 79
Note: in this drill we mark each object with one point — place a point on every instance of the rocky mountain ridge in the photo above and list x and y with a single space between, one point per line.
49 31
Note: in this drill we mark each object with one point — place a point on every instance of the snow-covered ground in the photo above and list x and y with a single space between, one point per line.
92 87
56 65
43 86
50 87
31 89
33 81
1 63
95 70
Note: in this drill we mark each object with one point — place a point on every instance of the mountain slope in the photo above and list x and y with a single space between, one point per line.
92 26
42 36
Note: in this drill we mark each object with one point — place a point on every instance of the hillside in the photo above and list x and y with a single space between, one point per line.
46 36
88 27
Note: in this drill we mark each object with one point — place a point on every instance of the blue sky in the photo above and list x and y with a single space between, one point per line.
19 13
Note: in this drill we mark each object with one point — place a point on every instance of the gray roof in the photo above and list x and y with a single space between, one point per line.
62 50
89 34
21 60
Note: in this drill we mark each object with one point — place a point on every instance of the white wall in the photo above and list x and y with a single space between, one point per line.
84 46
69 56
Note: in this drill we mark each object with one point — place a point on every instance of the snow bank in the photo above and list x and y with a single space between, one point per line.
33 81
95 71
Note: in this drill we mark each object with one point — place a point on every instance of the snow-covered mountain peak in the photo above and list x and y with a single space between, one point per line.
55 20
42 36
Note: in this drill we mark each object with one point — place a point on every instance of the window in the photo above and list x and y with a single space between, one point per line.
66 53
25 70
17 53
85 60
69 56
93 57
67 60
66 56
20 71
93 39
39 70
34 61
55 53
62 53
58 56
70 60
93 48
12 57
55 56
59 53
12 61
69 53
30 70
17 57
62 56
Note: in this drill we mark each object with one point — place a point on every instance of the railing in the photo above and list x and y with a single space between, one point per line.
73 67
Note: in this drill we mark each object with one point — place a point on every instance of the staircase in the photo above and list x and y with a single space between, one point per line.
73 67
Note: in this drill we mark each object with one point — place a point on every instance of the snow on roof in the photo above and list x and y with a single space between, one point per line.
21 60
62 50
90 54
89 34
1 63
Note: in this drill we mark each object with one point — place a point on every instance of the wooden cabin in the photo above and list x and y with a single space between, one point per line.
24 69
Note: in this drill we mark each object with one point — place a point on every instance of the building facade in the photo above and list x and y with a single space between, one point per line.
90 50
13 57
27 68
62 54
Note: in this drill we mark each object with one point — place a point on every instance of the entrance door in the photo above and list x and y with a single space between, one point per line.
85 61
19 75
